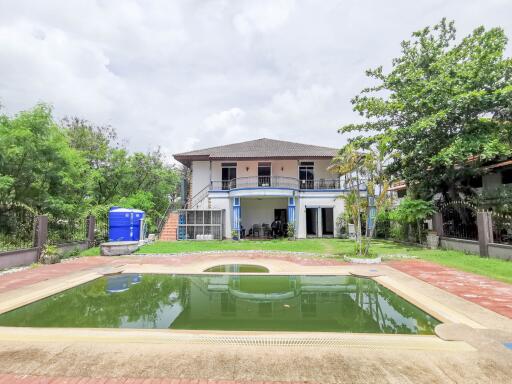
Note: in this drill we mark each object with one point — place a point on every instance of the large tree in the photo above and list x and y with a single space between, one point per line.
445 106
138 180
38 168
74 168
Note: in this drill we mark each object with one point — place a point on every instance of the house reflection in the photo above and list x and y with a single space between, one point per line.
301 303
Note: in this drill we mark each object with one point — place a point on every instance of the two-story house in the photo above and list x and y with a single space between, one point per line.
255 183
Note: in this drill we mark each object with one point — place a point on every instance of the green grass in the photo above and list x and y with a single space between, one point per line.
94 251
493 268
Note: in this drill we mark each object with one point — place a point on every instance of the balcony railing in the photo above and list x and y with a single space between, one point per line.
275 182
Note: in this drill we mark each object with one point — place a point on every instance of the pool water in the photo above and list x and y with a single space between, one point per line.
228 302
238 268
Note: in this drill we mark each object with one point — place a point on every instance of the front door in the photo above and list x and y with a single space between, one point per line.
319 222
228 175
327 222
312 222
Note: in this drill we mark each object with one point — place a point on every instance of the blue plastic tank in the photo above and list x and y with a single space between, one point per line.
124 224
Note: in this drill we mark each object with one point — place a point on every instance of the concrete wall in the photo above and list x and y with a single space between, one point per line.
491 180
500 251
259 211
81 245
321 171
224 202
21 257
18 258
469 246
200 176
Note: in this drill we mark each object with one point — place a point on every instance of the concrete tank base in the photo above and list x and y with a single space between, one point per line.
118 248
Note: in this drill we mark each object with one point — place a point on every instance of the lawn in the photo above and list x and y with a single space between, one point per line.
493 268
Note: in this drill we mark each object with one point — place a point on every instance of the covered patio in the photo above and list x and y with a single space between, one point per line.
258 213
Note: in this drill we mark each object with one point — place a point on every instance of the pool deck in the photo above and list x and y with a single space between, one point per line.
469 346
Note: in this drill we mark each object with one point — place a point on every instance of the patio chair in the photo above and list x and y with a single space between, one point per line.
265 228
256 229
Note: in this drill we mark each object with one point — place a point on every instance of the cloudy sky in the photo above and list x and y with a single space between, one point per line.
195 73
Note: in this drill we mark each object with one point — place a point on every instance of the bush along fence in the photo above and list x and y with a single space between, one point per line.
462 226
23 244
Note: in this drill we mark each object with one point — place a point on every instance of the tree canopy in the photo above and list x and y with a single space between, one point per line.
445 107
73 168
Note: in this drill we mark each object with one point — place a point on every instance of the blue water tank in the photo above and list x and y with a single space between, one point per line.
124 224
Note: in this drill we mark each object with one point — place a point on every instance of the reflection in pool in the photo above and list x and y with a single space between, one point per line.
228 302
238 268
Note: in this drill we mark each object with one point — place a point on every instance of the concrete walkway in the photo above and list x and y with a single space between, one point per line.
17 379
490 294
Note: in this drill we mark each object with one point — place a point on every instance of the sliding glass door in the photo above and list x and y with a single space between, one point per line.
228 175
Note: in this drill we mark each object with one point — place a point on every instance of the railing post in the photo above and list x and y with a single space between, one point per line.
91 226
437 223
484 224
40 233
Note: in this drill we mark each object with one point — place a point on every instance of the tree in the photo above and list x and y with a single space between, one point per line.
364 171
37 166
412 211
442 103
139 180
71 169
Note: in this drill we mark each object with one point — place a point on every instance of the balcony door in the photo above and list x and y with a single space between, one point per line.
264 174
228 175
307 175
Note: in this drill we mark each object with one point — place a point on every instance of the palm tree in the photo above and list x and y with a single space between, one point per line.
364 171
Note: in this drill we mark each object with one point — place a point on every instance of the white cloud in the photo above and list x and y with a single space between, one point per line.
185 74
262 16
224 125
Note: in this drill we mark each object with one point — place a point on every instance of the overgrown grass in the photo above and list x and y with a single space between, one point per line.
493 268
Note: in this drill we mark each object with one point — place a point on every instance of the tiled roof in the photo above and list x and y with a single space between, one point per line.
258 149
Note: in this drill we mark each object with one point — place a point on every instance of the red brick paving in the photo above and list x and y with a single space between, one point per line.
490 294
45 272
18 379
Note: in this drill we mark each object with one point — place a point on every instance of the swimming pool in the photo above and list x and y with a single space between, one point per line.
229 303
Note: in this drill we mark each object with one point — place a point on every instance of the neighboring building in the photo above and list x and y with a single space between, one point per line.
258 181
496 176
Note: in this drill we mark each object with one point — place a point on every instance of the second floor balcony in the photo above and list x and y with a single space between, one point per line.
275 182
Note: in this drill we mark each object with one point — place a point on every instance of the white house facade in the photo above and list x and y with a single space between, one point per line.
257 182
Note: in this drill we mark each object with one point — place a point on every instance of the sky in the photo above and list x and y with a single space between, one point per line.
188 74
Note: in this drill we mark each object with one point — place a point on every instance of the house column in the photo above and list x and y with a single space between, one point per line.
291 213
235 223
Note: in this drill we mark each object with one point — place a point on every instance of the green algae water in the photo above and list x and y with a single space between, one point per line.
238 268
228 302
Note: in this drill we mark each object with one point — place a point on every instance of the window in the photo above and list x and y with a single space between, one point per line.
307 174
264 174
475 181
506 176
228 175
401 193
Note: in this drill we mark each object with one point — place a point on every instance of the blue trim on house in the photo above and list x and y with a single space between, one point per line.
236 215
278 188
